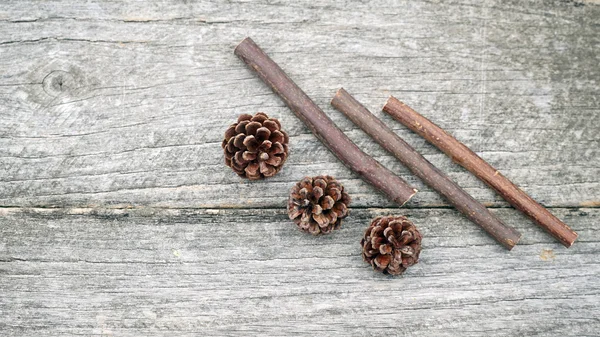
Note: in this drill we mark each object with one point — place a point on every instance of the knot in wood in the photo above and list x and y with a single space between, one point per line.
58 82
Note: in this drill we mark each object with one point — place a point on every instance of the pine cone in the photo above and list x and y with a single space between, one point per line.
317 205
255 147
391 244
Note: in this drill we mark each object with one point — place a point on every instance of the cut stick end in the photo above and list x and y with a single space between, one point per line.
387 103
568 242
246 40
511 243
391 101
338 94
410 197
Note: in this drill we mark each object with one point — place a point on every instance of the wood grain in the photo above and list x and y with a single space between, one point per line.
118 103
112 113
250 272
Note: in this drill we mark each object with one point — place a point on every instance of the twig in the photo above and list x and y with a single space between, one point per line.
423 169
479 167
323 127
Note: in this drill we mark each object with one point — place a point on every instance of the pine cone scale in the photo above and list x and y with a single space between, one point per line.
252 127
263 134
230 132
244 117
327 202
250 143
248 156
332 217
241 127
272 126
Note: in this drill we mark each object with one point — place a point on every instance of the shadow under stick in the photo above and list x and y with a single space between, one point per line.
480 168
422 168
370 170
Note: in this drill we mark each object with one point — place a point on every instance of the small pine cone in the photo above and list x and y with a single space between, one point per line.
317 205
391 244
255 147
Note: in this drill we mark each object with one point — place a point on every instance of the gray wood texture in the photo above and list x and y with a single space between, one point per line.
118 216
151 272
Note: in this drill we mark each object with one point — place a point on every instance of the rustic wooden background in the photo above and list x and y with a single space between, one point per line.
119 218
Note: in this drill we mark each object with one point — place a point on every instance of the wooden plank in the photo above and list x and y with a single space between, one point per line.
122 104
252 272
119 104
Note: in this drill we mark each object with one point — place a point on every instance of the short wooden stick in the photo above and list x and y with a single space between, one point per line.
423 169
370 170
480 168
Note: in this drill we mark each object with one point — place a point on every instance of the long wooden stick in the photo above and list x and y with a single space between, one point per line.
479 167
423 169
370 170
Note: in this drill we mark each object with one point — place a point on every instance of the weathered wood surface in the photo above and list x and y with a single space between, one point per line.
114 105
250 272
122 103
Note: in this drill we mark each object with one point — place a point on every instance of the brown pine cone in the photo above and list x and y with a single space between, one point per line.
317 205
255 147
391 244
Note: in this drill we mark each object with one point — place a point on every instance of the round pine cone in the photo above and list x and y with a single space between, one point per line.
317 205
255 147
391 244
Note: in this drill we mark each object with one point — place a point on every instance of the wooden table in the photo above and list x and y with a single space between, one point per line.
118 216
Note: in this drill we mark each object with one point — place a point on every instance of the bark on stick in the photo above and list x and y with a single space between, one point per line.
422 168
369 169
480 168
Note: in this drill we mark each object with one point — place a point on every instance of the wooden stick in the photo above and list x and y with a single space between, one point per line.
479 167
370 170
423 169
